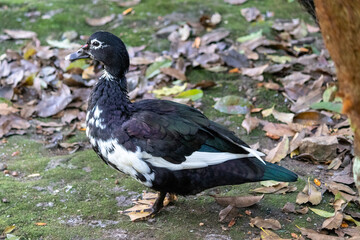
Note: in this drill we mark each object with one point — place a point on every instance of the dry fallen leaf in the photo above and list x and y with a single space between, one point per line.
12 121
95 22
320 148
303 103
279 152
173 72
254 72
313 235
238 201
278 129
250 123
333 222
228 213
296 141
266 223
20 34
54 103
235 2
309 194
250 14
5 109
271 189
127 3
312 118
281 116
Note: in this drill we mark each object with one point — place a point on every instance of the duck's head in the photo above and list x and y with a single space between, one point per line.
106 48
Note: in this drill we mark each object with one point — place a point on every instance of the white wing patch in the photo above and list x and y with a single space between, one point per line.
198 159
255 153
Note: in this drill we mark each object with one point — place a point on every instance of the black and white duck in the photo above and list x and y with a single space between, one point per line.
167 146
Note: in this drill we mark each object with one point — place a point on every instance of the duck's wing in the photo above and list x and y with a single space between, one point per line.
181 137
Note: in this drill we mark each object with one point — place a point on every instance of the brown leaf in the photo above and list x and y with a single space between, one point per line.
281 116
235 59
296 141
69 115
20 34
339 205
289 208
320 148
311 118
254 72
346 192
95 22
273 189
250 14
250 123
51 104
266 223
303 210
272 86
238 201
127 3
214 36
235 2
344 176
279 152
88 73
303 103
309 194
278 129
173 72
205 84
353 231
313 235
5 109
333 222
228 213
12 121
141 61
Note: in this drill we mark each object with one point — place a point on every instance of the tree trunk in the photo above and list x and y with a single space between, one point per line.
340 26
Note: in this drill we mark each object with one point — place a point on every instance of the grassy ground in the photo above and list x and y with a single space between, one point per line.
76 195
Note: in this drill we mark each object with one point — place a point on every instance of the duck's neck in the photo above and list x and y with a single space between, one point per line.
110 94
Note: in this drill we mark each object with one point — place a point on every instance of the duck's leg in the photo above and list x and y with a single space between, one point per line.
159 203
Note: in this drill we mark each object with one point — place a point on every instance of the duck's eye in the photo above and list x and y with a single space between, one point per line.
96 44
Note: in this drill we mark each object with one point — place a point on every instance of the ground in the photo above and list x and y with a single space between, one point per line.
79 197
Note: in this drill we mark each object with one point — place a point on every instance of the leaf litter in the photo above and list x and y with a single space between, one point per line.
312 125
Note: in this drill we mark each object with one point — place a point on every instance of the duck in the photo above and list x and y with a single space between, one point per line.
169 147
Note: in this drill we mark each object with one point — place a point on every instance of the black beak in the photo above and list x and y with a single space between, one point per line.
79 54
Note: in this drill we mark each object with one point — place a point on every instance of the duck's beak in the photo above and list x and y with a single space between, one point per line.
79 54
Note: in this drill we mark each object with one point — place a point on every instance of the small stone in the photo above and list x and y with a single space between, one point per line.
3 166
14 174
6 171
